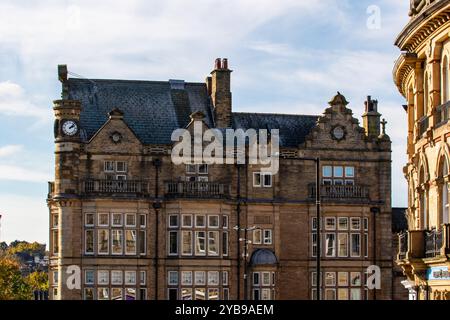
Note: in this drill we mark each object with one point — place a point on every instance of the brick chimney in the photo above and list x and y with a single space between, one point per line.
371 118
219 89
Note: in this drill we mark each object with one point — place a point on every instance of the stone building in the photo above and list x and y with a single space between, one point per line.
422 76
140 227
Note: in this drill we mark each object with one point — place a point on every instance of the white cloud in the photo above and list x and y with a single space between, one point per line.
10 150
14 102
17 173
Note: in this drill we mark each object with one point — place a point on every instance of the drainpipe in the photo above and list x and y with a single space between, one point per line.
156 206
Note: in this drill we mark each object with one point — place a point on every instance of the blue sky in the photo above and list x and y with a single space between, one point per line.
288 56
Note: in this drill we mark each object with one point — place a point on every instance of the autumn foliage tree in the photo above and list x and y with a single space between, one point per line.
12 285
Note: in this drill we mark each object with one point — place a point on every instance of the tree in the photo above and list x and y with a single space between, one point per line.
12 285
38 280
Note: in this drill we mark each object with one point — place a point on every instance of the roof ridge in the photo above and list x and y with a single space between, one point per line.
133 81
278 114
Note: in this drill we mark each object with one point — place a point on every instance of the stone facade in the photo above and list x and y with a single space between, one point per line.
422 75
140 227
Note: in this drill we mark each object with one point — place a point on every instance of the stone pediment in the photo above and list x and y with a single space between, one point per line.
115 136
337 128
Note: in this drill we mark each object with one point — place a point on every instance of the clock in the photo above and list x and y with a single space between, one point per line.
116 137
70 128
338 133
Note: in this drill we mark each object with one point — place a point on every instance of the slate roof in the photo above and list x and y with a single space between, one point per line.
152 109
399 222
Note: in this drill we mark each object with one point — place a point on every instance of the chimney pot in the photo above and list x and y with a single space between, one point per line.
218 64
225 63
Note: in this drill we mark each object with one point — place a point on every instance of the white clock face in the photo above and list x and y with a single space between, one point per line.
338 133
69 128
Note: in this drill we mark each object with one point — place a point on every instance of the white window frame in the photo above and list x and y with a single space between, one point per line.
93 277
206 166
129 281
225 240
126 218
120 282
98 219
182 220
178 243
209 221
339 224
266 276
333 254
224 278
169 221
112 219
189 166
333 227
256 185
145 220
333 283
213 278
268 240
264 175
339 274
125 166
339 244
258 277
142 234
172 281
120 231
183 253
351 245
86 224
186 275
92 231
200 278
351 223
99 277
131 253
108 163
142 277
196 241
204 221
216 239
108 240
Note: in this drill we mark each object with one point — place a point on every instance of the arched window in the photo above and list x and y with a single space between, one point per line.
445 206
445 87
423 200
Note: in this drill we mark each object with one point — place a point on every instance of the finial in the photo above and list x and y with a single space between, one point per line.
383 126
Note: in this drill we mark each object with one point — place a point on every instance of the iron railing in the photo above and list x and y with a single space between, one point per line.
114 186
340 191
196 189
402 245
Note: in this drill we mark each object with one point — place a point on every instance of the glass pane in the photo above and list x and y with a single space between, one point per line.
187 242
117 241
103 241
130 241
355 294
200 294
327 171
130 294
200 278
89 241
130 277
355 279
117 219
116 294
343 224
173 221
116 277
342 279
200 243
213 294
103 294
343 244
173 242
342 294
349 172
213 278
213 243
131 220
213 221
187 220
186 294
200 221
338 172
186 278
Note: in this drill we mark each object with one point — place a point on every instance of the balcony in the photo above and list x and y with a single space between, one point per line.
114 187
442 114
423 125
196 189
424 244
339 192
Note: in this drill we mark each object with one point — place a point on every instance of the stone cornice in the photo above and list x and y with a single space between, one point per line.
423 25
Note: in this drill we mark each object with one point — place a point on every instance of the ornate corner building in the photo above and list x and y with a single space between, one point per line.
136 226
422 75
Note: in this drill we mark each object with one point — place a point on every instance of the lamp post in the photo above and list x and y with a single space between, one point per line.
245 254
